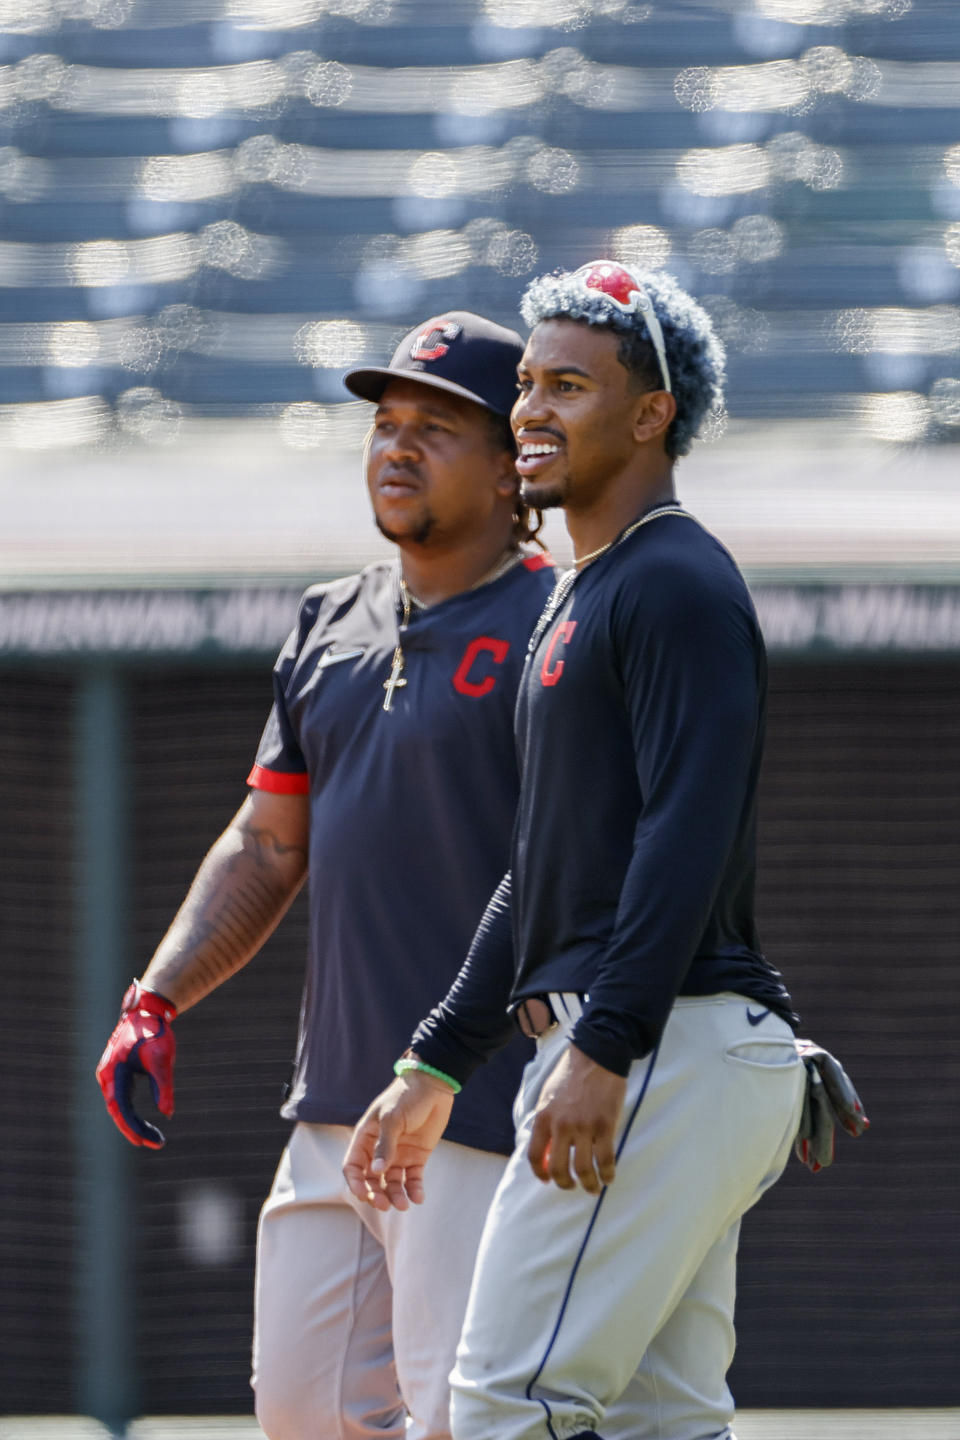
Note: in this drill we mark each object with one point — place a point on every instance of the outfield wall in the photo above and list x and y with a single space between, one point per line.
128 723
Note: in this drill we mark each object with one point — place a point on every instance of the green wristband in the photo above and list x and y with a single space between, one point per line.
410 1062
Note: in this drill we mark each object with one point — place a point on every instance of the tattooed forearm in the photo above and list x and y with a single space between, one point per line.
240 893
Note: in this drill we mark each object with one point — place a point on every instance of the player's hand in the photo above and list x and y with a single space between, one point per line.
141 1044
393 1141
575 1124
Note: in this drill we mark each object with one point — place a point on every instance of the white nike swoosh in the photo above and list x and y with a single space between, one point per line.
333 657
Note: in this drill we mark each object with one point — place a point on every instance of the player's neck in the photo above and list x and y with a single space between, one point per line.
433 575
592 525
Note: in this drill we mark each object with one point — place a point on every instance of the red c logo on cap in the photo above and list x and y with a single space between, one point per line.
429 344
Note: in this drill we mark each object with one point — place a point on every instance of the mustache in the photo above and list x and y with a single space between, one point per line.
536 434
398 472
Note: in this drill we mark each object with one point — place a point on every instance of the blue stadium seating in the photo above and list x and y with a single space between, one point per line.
269 170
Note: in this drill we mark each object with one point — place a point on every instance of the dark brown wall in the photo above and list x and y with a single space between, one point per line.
37 1223
846 1291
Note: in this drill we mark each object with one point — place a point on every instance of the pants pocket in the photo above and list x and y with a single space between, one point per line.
772 1054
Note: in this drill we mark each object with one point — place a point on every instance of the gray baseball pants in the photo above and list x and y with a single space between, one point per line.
357 1314
613 1315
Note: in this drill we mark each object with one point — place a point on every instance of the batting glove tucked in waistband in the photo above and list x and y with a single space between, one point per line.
830 1097
141 1044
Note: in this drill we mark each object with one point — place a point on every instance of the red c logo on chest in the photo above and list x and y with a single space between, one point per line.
549 675
475 688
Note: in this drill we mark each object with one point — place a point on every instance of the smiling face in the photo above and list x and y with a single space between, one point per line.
436 470
582 421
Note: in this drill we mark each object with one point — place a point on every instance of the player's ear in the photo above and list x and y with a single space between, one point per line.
508 481
653 416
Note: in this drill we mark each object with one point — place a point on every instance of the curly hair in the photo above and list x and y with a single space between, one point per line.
527 522
695 354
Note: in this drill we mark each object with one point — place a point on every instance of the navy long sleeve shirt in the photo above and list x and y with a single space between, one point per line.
639 723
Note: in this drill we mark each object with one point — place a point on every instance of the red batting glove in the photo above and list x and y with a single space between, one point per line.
141 1044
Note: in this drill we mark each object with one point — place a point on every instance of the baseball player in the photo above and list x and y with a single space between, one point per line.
666 1090
386 772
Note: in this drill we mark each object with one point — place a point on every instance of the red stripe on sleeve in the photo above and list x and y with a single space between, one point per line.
539 562
279 782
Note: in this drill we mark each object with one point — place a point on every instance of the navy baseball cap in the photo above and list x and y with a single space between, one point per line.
459 352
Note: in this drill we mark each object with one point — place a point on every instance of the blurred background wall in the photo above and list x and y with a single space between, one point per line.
209 209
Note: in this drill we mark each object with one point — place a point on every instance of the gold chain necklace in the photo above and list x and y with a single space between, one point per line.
617 539
506 562
565 584
396 678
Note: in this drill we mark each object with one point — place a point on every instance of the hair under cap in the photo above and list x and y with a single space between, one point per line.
694 353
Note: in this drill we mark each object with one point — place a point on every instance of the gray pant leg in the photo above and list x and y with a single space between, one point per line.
323 1362
571 1290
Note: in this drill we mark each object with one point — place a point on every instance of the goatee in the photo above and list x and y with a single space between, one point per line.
420 536
542 497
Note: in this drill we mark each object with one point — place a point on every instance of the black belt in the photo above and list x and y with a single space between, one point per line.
536 1016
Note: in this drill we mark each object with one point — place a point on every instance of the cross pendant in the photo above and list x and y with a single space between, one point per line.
394 683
